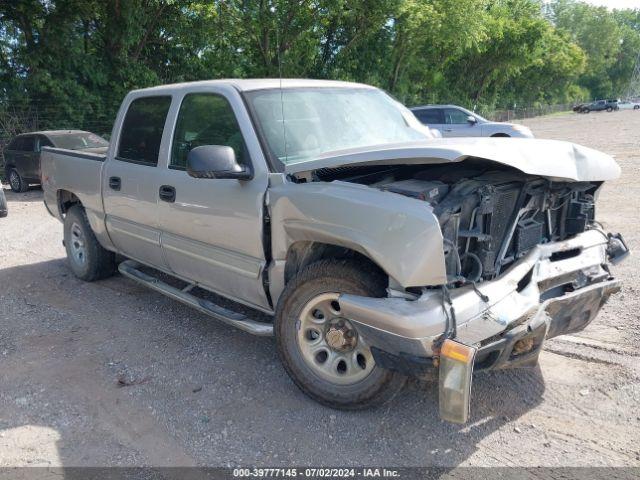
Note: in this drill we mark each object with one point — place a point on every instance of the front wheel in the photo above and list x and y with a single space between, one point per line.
88 260
609 109
636 107
321 349
16 182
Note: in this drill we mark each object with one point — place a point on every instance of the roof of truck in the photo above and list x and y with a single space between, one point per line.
261 83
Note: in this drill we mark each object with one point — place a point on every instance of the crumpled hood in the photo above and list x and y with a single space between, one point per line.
547 158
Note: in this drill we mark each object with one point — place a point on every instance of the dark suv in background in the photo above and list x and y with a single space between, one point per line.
22 155
597 106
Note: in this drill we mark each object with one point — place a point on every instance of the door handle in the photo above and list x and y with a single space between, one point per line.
115 183
167 193
448 129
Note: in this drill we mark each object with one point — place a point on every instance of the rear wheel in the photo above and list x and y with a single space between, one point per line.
636 107
88 260
322 350
16 182
585 110
609 109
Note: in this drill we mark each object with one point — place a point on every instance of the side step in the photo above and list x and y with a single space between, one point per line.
131 269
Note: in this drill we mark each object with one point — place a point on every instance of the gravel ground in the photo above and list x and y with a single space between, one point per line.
201 393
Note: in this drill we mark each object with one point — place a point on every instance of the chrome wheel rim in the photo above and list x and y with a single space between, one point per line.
14 180
329 343
78 245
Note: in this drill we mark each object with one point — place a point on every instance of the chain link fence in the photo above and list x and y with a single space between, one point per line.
520 113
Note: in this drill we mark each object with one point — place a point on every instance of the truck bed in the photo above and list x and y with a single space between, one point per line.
79 173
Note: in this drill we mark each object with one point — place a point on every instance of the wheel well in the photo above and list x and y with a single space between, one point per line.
66 200
301 254
500 135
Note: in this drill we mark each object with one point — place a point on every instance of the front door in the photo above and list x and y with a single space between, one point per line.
457 124
212 229
132 181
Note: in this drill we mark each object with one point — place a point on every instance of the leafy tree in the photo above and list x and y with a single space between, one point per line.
68 63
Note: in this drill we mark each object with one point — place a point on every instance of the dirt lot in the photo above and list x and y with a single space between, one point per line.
205 394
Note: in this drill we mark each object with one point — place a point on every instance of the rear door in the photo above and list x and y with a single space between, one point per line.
131 180
457 124
212 229
12 152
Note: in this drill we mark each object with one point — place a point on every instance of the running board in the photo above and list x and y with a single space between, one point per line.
131 269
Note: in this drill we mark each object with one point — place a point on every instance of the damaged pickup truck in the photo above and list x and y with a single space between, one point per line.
379 250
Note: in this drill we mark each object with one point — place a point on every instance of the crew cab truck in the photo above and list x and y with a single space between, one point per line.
379 250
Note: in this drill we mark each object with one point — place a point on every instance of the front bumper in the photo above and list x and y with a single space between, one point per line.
556 288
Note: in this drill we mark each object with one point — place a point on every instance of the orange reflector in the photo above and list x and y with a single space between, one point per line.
455 376
457 351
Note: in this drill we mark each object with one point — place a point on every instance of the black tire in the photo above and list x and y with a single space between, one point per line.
16 182
586 110
636 107
3 203
609 109
325 277
91 261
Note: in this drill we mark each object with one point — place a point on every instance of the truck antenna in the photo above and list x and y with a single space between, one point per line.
284 130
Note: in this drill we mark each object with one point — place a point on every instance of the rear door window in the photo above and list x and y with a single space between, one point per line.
142 130
28 144
430 116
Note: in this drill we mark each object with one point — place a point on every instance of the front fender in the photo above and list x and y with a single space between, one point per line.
400 234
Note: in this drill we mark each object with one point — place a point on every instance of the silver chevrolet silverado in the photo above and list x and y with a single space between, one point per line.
379 250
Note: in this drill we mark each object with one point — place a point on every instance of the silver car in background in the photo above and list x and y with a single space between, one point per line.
455 121
628 105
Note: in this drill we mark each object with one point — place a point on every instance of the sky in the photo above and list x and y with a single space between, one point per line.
615 3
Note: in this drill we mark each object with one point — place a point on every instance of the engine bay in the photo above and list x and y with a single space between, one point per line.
490 215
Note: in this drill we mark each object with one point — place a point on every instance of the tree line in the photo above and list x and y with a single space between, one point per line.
70 62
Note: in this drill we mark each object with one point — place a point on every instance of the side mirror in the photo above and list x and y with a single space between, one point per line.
472 120
215 161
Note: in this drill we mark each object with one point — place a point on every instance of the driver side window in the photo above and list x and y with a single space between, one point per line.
455 117
205 119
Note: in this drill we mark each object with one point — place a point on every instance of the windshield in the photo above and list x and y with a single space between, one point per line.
78 141
321 120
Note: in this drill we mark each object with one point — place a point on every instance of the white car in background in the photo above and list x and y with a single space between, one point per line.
455 121
628 105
